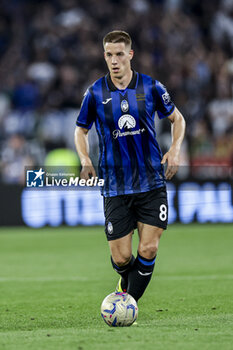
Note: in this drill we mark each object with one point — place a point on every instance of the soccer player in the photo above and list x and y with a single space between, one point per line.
122 105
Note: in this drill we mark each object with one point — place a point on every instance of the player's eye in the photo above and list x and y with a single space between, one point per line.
120 54
109 54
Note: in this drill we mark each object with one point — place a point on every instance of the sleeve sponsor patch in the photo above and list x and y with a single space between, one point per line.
166 98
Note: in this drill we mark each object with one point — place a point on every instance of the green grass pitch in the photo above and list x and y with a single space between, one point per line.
53 280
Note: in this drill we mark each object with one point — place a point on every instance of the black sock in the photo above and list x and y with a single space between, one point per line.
123 271
139 276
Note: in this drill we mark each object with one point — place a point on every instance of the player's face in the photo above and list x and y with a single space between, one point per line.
118 57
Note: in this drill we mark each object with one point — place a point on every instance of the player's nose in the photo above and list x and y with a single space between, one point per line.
114 60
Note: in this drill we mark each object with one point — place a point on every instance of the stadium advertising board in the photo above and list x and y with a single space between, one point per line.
188 202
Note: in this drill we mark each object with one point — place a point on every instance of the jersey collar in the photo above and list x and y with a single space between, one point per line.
112 87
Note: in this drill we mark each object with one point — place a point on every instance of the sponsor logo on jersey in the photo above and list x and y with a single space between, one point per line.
166 98
124 106
126 122
106 101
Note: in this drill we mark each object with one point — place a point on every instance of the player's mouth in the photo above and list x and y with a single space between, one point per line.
115 69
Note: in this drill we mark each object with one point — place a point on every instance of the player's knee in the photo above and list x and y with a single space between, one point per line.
121 259
148 250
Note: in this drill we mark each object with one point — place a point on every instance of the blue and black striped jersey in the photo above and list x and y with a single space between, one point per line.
130 156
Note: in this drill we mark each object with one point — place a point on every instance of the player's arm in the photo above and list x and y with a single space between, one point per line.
172 156
82 146
84 123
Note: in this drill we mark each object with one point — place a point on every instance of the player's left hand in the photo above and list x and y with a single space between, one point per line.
172 159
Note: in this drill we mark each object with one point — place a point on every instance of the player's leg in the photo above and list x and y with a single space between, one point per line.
141 273
151 212
122 258
119 225
121 250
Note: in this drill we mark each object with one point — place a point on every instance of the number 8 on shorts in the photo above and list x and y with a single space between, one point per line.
163 212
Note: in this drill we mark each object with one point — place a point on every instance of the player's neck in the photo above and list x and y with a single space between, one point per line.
123 82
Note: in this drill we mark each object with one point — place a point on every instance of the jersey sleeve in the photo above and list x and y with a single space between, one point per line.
87 113
163 103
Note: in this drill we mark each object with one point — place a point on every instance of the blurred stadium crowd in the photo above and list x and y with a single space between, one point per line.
51 50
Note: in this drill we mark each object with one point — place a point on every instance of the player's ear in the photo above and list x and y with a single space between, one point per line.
131 54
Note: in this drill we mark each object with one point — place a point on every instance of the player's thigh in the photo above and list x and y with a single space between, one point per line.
119 226
152 216
149 238
119 217
151 208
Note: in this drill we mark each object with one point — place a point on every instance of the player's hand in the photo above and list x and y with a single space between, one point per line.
87 171
172 159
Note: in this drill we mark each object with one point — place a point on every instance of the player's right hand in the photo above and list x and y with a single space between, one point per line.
87 172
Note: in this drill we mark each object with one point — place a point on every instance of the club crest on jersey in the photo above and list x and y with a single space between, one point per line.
126 121
124 106
110 228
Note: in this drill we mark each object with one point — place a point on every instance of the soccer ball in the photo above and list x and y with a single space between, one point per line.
119 309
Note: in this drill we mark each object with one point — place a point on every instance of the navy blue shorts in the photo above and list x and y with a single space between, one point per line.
123 212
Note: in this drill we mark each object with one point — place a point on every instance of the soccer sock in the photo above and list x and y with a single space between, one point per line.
139 276
123 271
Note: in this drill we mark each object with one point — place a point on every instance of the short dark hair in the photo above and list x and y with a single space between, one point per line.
118 36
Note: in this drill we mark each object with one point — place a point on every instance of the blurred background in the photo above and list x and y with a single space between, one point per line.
51 51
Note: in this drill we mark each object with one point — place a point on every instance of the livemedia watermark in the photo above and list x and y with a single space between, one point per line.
59 177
